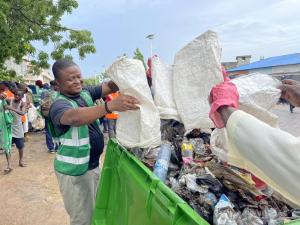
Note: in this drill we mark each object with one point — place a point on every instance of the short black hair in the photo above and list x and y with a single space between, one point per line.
53 83
5 83
60 65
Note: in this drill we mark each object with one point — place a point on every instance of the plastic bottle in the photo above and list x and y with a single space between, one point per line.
162 161
198 146
186 149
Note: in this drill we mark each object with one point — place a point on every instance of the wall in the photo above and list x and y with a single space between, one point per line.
277 71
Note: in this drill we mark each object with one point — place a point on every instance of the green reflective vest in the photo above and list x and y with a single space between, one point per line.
73 154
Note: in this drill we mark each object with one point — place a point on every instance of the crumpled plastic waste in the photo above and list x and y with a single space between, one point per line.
203 179
224 212
190 181
249 217
211 182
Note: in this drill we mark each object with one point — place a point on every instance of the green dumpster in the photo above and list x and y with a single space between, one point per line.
130 194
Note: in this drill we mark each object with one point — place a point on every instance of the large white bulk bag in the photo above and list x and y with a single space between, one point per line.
135 128
162 84
197 68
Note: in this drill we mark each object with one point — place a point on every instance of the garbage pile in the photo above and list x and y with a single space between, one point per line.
220 193
188 159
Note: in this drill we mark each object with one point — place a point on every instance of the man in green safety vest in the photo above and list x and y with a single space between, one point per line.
74 122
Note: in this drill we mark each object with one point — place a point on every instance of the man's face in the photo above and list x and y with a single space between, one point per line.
70 81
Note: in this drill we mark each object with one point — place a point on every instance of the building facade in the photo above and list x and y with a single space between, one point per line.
23 70
281 67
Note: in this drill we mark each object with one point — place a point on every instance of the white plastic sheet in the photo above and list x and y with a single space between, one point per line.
197 68
32 114
135 128
162 84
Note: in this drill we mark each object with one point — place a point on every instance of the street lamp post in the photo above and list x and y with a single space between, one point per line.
150 37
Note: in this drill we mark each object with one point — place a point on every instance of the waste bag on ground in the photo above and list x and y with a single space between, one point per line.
139 128
197 68
32 114
162 84
38 123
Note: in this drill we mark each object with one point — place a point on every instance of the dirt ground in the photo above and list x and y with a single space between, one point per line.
30 195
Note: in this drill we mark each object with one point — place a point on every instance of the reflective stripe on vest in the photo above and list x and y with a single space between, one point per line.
72 160
75 141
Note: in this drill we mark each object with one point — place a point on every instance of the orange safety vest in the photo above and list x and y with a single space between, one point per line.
9 94
114 115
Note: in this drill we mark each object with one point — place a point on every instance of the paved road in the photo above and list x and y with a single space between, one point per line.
289 122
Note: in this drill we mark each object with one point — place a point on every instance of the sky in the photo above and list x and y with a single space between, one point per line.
254 27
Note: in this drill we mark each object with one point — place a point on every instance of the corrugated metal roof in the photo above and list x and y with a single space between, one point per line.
270 62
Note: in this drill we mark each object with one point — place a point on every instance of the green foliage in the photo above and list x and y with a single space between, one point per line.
95 80
25 21
9 75
138 55
90 81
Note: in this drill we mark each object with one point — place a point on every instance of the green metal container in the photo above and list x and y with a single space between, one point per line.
130 194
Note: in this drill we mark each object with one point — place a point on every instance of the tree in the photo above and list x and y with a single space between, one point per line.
138 55
96 79
24 21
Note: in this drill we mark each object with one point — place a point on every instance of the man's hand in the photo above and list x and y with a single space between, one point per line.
123 103
291 91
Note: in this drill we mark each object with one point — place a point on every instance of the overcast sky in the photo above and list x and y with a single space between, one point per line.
255 27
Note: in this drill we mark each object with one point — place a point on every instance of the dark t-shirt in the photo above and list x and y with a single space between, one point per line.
96 137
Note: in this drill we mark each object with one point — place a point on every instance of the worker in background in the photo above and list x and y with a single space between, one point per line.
75 121
18 108
5 129
271 154
48 96
26 100
38 92
292 108
112 117
4 88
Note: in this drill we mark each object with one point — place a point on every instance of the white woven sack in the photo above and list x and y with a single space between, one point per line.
197 68
135 128
162 84
258 94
